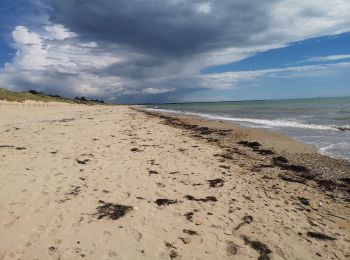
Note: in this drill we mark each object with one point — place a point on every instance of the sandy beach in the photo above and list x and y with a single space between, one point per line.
111 182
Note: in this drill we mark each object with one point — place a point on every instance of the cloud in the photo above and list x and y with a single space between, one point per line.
328 58
229 80
158 90
139 50
204 8
21 35
58 32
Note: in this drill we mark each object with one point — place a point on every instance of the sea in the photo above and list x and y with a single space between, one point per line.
323 122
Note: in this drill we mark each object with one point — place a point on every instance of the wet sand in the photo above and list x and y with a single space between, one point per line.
100 182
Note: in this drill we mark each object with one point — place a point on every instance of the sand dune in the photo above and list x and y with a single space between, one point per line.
67 173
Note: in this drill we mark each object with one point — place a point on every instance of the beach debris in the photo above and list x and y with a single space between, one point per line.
346 180
261 248
166 202
185 240
64 120
206 199
189 216
6 146
289 179
224 167
328 185
21 148
75 191
250 144
83 161
343 128
225 156
153 172
190 232
135 150
319 236
111 211
280 159
282 163
245 220
304 201
216 183
231 248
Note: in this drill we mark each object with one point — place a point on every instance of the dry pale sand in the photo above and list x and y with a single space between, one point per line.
58 164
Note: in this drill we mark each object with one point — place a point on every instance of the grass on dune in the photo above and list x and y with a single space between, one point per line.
13 96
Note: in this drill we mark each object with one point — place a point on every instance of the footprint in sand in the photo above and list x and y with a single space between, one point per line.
136 235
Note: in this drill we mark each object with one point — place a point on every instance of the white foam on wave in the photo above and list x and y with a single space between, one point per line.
261 122
335 150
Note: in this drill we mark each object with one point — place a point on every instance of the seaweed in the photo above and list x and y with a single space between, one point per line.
166 202
135 150
319 236
206 199
190 232
264 251
82 161
216 183
232 248
289 179
6 146
245 220
304 201
282 162
249 144
189 216
111 211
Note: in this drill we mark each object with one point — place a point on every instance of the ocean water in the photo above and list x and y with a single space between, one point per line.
323 122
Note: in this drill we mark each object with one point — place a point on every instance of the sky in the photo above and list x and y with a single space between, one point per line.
155 51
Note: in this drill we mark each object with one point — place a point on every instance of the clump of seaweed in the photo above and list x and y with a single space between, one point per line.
165 202
216 183
190 232
245 220
206 199
250 144
111 211
264 251
319 236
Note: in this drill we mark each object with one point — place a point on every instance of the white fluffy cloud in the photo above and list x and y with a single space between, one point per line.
55 64
58 32
22 36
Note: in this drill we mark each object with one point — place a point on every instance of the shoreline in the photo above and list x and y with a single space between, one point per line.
236 121
110 182
327 172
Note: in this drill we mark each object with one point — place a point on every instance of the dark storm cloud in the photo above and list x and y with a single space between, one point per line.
166 28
